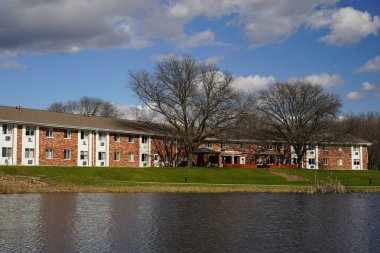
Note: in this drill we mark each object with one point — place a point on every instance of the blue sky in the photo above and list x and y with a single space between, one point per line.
65 49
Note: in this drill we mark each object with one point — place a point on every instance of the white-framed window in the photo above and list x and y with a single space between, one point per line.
67 154
117 156
131 139
116 137
67 134
269 147
83 134
101 156
131 157
325 148
340 148
84 155
325 161
6 152
209 145
356 161
7 129
29 153
356 148
340 162
144 139
102 136
144 157
311 161
29 130
49 132
49 153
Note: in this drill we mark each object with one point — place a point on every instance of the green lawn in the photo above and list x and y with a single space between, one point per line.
197 177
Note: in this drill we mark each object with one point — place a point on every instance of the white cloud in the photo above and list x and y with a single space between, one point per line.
366 86
213 60
253 83
326 80
347 25
11 64
371 66
355 95
205 38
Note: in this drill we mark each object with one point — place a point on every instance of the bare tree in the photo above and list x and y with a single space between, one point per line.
300 113
197 100
88 106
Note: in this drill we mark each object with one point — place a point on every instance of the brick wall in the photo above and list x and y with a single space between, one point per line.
58 144
124 148
333 154
365 157
19 145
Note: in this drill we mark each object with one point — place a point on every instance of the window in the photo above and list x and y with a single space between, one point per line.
311 161
49 132
144 157
131 139
117 156
84 155
6 152
269 147
340 148
29 130
144 139
356 148
7 129
131 157
117 137
356 162
223 146
243 146
83 135
209 145
29 153
102 136
325 161
67 134
49 153
67 154
325 148
340 162
101 156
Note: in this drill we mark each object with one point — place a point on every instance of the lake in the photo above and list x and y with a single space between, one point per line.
161 222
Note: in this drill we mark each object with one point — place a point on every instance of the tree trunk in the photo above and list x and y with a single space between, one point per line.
189 158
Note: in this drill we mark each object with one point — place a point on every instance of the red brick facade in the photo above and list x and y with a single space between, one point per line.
124 148
334 155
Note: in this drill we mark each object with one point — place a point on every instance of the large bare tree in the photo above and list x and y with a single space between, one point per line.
196 99
89 106
299 112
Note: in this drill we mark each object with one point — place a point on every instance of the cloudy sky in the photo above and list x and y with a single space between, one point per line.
56 50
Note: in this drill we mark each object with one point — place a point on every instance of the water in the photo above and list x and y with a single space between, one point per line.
118 222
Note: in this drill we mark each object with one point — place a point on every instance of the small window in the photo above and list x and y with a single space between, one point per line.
49 132
29 153
117 137
144 139
67 154
7 129
356 148
269 147
101 156
49 153
325 148
102 136
144 157
83 135
243 146
84 155
209 145
29 130
325 161
311 161
67 134
340 148
131 139
6 152
340 162
131 157
356 162
117 156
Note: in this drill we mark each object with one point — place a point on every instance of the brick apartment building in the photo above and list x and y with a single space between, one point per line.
37 137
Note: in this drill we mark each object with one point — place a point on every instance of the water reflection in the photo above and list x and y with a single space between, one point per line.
189 223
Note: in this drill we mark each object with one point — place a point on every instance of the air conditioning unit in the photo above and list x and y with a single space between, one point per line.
356 153
30 139
145 164
102 163
7 138
102 144
84 163
312 167
30 161
84 143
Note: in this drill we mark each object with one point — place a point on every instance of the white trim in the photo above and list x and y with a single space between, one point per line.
37 145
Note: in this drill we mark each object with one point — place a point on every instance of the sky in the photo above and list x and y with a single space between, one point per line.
61 50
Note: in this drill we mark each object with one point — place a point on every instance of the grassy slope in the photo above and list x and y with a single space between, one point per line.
205 178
